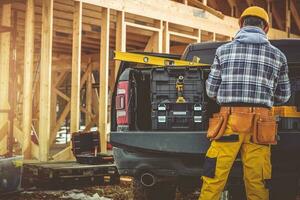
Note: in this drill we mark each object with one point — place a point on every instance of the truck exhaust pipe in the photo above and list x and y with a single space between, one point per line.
148 179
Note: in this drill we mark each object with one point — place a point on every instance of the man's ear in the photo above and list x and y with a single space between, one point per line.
266 29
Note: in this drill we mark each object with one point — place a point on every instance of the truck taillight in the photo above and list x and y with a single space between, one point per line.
122 103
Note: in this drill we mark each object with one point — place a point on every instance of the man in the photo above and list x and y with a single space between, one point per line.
247 77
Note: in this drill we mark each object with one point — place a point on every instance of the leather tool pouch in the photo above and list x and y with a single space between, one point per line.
217 125
214 126
265 130
242 122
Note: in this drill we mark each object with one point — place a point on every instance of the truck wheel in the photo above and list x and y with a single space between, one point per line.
165 191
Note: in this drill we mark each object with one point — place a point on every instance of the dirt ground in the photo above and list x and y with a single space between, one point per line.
123 191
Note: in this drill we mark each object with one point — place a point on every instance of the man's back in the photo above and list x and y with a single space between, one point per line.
248 70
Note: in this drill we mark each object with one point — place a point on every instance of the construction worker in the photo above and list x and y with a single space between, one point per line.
247 77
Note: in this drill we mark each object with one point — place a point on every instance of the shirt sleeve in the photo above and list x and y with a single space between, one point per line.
214 79
283 89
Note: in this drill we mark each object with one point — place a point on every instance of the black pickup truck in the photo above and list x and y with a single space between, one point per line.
162 143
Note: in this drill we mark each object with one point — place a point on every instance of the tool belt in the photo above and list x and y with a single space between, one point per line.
256 120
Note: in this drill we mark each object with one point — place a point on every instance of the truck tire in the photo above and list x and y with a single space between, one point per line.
165 191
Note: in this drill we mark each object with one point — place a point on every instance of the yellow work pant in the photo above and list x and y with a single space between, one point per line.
256 167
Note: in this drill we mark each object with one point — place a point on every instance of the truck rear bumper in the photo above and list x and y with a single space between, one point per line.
192 143
131 163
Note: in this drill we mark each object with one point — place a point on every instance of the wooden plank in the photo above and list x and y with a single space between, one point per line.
120 37
149 28
63 155
158 38
5 42
199 36
295 13
287 17
45 80
88 98
104 64
28 78
204 6
277 17
5 29
269 9
183 35
76 68
166 37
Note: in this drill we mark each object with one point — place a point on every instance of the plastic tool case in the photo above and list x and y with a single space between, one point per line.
85 148
167 112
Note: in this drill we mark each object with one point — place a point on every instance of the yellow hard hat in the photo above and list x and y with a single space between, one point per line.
255 11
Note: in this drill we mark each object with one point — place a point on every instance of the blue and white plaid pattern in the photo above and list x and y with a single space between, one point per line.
249 73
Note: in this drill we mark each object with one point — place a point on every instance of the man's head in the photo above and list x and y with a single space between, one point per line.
255 16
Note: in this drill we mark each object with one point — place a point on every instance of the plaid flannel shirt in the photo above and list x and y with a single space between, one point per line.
249 73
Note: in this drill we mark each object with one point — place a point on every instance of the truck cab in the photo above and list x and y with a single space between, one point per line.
159 133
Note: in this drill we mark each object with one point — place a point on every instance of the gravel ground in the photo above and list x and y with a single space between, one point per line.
123 191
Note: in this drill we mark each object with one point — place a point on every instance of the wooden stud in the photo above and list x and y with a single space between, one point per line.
54 99
287 17
166 38
103 70
89 98
269 9
277 17
295 13
120 37
45 80
199 36
28 78
183 35
76 66
5 29
5 42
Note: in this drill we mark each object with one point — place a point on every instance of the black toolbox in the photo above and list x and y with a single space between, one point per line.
85 147
167 113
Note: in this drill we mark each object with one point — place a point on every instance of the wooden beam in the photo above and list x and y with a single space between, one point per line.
149 28
76 68
64 154
88 98
158 37
120 37
5 2
288 17
5 29
104 64
166 37
5 42
183 35
295 13
28 78
277 17
204 6
45 80
269 9
199 36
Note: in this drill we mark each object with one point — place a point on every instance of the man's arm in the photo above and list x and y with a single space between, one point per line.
214 79
283 89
